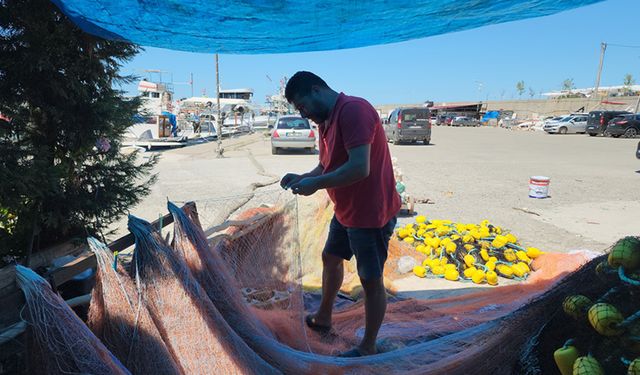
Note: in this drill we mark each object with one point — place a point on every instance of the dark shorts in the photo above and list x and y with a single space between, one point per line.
369 245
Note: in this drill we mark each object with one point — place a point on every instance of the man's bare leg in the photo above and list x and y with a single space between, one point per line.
332 277
375 306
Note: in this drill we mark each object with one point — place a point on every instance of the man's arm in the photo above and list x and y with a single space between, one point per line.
292 178
354 170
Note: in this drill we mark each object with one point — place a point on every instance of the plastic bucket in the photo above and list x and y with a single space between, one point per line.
539 186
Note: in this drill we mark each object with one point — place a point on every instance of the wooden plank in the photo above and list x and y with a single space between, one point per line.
12 332
129 240
42 259
68 271
16 329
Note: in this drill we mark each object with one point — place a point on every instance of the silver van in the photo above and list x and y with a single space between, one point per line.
408 125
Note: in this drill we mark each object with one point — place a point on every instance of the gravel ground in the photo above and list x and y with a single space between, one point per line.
482 173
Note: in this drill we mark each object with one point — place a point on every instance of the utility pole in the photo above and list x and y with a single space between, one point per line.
603 48
191 83
220 150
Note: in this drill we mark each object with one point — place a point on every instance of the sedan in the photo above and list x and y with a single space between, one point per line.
292 132
568 124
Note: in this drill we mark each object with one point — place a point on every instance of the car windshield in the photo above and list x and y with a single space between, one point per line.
566 119
295 123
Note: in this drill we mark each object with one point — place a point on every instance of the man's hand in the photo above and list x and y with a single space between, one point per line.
305 186
289 179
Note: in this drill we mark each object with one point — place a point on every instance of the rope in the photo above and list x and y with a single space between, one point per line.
627 279
298 277
608 294
627 322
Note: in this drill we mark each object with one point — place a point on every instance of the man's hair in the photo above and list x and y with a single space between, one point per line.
300 84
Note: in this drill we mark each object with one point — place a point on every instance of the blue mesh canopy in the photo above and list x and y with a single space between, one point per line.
277 26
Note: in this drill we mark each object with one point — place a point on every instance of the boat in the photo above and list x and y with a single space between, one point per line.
156 126
236 108
277 106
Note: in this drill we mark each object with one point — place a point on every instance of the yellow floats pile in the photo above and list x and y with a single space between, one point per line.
475 252
612 342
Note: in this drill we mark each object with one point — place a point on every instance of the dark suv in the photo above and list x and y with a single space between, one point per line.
408 125
627 125
598 120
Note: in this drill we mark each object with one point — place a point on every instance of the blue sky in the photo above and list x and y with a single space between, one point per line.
477 64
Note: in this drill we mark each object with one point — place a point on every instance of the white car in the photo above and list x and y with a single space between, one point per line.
292 132
575 123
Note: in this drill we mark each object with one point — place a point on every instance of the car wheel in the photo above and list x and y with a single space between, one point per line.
606 133
593 134
630 133
562 130
274 150
426 141
312 150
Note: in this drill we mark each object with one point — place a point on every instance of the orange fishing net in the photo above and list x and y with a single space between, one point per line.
229 298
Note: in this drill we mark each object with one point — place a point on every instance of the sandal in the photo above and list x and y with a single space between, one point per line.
311 323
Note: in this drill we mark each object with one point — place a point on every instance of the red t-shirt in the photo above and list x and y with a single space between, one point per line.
372 201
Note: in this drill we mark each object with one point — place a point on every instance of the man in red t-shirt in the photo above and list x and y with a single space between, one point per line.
355 169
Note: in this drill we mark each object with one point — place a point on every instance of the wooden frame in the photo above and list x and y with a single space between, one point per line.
11 297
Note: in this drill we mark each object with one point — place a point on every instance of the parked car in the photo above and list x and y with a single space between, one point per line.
551 119
408 125
464 121
444 119
448 119
292 132
598 121
433 120
627 125
574 123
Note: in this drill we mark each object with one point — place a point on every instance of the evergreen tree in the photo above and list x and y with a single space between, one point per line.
61 170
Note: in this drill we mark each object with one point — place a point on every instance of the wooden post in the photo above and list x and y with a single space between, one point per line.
219 150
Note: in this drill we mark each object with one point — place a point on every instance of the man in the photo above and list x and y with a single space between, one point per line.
355 169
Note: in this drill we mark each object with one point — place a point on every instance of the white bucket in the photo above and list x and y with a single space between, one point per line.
539 186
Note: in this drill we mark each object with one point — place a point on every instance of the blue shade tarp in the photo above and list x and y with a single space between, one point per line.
490 115
278 26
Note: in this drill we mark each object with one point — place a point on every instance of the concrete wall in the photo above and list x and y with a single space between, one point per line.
539 108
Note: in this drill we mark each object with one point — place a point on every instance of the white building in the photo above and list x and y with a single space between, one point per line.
603 90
